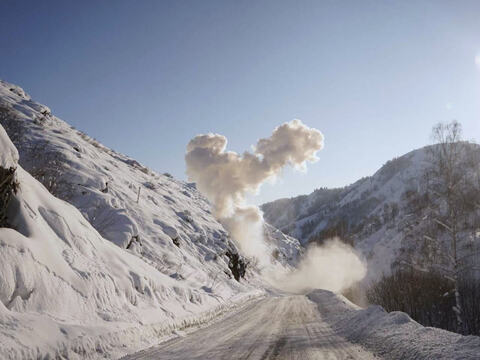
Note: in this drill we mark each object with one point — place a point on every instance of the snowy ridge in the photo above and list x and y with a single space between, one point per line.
374 213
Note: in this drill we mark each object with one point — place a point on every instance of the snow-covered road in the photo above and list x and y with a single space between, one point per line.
286 327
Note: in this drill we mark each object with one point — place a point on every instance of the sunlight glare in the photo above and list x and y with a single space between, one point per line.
477 59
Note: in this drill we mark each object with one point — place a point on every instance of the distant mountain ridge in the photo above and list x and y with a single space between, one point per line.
374 214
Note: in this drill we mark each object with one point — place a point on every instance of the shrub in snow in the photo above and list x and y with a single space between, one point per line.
134 240
149 185
17 90
237 265
428 297
8 187
8 182
176 241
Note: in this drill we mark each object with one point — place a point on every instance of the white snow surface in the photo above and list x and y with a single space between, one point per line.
393 336
102 274
9 154
276 327
320 325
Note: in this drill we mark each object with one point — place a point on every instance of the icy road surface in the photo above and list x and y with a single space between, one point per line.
287 327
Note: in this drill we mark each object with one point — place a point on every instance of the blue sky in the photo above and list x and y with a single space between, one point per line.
144 77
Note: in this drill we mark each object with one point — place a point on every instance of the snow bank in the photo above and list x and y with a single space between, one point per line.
392 335
9 154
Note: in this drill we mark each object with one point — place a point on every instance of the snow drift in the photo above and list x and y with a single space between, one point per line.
394 336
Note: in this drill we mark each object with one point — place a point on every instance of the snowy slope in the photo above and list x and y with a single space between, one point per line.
171 224
374 214
164 221
66 290
137 253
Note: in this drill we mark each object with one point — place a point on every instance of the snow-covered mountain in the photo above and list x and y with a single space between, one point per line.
105 246
66 291
152 215
379 214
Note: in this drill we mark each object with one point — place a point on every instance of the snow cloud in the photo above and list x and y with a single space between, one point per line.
226 177
334 266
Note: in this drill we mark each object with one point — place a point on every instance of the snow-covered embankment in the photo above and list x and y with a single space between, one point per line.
392 335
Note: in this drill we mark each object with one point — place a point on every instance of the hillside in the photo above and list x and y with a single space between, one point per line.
66 291
129 204
381 215
95 245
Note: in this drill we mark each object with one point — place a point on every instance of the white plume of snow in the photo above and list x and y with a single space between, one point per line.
226 177
334 266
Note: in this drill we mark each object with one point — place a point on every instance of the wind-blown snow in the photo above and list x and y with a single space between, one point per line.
226 177
333 266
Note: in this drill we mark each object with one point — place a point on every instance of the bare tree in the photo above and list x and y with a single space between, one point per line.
451 193
437 280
